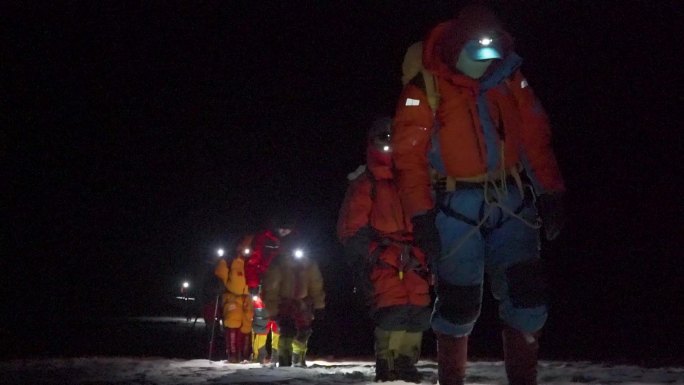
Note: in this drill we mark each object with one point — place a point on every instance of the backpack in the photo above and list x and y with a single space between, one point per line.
413 71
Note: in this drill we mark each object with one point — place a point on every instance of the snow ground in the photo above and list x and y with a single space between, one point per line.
131 370
159 350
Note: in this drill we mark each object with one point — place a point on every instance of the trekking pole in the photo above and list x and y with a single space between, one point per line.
213 327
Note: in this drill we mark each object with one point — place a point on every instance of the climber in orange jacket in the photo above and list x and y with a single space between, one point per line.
474 176
390 272
237 307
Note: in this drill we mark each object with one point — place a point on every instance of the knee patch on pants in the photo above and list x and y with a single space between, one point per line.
459 304
527 283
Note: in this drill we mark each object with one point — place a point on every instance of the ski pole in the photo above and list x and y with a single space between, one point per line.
213 327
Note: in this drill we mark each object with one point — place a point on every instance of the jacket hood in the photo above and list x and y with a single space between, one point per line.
446 40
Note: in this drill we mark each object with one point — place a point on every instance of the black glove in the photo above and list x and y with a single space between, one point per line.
426 235
319 314
358 244
550 207
356 255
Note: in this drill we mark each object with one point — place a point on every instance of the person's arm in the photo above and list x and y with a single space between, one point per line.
221 272
356 207
537 153
253 269
270 290
316 290
538 157
411 133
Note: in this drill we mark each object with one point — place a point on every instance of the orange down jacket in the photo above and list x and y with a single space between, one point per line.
399 273
452 139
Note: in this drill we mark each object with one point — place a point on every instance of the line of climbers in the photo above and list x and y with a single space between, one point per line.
271 292
464 171
456 185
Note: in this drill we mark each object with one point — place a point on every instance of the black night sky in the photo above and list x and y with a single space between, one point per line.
139 136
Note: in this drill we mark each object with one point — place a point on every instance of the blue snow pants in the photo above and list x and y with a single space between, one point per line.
496 234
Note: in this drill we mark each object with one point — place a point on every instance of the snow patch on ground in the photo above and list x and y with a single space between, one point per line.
131 370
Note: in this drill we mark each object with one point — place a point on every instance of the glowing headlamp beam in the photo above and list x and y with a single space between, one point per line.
298 253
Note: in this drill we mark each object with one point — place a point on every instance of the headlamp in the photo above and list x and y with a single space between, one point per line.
298 253
484 48
382 142
246 251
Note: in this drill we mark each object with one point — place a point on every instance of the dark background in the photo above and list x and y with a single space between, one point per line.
139 137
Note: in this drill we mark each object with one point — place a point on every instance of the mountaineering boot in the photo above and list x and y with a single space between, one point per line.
299 344
384 355
384 370
298 360
232 345
298 354
408 353
520 356
406 369
452 356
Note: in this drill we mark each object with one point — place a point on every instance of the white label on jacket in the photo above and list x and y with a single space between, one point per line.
412 102
523 83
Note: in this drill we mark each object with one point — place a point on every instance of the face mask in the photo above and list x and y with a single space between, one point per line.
472 68
284 232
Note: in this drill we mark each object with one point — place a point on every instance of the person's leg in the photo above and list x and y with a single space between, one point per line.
519 284
303 319
409 348
275 341
384 354
232 344
239 345
246 346
460 274
452 356
299 347
259 347
287 329
389 333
